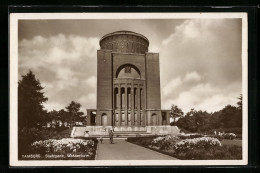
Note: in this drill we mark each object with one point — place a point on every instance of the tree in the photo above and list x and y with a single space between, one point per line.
175 112
30 100
202 120
240 103
54 119
64 116
191 112
74 112
188 123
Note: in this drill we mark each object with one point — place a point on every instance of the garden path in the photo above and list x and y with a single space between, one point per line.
122 150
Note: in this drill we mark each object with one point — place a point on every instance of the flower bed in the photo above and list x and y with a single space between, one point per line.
196 143
190 147
63 149
164 142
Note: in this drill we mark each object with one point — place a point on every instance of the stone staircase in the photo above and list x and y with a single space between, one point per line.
124 131
131 133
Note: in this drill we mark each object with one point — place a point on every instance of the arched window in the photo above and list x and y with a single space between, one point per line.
128 71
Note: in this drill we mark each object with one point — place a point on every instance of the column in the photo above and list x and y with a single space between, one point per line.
119 92
138 105
113 105
142 105
167 118
126 118
132 104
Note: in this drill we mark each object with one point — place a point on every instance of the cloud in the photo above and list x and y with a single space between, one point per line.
153 48
202 97
200 64
193 77
179 84
55 50
89 100
64 64
53 105
172 85
91 81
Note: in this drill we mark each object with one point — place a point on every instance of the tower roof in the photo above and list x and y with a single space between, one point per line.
124 32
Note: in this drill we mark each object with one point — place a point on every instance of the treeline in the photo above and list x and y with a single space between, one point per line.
229 119
36 123
31 113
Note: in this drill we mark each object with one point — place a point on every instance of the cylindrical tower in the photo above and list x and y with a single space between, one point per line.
125 42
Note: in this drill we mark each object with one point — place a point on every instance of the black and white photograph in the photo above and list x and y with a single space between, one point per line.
128 89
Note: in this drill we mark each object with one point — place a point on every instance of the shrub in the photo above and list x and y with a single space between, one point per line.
164 142
189 136
220 138
196 143
25 137
229 136
64 145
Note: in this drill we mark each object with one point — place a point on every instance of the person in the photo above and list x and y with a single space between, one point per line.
111 136
101 139
86 134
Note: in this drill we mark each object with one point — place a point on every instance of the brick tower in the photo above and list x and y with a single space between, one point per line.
128 83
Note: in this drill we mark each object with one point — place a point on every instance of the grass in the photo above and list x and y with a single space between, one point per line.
236 142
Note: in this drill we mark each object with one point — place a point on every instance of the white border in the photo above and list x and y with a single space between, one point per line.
14 17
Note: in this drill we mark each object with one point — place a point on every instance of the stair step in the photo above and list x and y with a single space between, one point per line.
130 132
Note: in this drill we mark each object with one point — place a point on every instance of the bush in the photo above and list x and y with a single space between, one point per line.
189 136
64 145
173 124
220 138
196 143
229 136
165 142
25 137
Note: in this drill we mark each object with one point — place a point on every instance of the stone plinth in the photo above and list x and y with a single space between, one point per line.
124 131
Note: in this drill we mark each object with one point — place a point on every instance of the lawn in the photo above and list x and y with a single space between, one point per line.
237 142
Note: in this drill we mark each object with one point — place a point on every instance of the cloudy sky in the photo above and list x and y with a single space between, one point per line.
200 59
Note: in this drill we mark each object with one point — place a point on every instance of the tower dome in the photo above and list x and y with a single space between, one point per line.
124 42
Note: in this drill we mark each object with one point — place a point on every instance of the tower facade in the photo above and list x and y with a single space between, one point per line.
128 83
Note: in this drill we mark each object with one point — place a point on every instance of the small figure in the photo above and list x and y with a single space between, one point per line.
111 136
86 134
101 139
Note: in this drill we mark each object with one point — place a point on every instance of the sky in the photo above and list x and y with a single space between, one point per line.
200 59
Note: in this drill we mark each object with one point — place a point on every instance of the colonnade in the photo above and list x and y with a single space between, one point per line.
128 104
